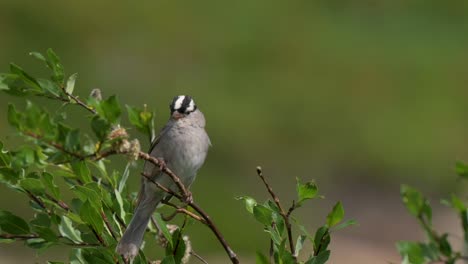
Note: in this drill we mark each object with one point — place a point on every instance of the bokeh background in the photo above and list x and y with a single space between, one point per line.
359 95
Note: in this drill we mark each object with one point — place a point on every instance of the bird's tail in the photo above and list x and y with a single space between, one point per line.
131 240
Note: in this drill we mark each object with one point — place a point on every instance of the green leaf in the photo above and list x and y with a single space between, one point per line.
119 200
321 239
336 215
260 258
141 119
30 83
299 244
249 203
38 244
76 257
72 140
71 83
321 258
67 230
13 116
97 255
88 194
163 228
38 56
415 202
168 260
263 214
56 66
5 157
12 224
100 127
110 109
412 251
461 169
306 191
179 243
90 215
46 233
345 224
49 86
34 186
48 180
80 168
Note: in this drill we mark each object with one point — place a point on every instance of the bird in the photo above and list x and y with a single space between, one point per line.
182 145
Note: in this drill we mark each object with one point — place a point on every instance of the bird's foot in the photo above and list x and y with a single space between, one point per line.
188 199
162 164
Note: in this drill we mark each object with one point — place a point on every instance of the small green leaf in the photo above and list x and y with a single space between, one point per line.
462 170
299 244
415 202
5 157
412 251
71 83
100 127
45 233
321 258
50 87
110 109
260 258
141 119
13 116
321 239
12 224
34 186
38 56
66 229
336 215
168 260
72 140
56 66
345 224
163 228
119 200
29 81
88 194
80 168
249 202
90 215
263 214
306 191
97 255
48 180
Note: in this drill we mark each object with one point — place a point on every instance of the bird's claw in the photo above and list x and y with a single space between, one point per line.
162 164
189 198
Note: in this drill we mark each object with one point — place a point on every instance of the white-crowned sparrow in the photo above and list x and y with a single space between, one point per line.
182 144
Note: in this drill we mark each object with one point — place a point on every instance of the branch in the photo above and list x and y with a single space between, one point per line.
232 255
78 101
282 212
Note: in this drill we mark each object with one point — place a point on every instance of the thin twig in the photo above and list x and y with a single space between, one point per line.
99 237
183 211
78 101
38 201
109 227
175 178
193 253
282 211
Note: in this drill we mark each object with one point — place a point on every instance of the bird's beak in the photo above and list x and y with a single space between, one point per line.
176 115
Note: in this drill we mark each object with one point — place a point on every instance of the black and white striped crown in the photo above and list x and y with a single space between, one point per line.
183 104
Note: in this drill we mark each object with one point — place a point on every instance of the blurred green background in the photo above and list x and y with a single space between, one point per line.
359 95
